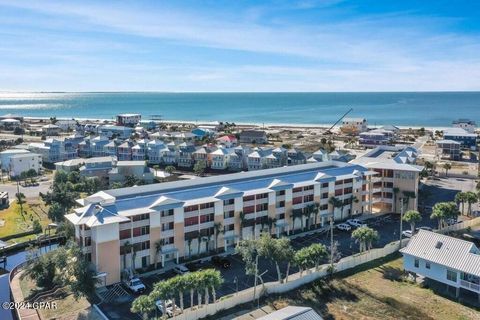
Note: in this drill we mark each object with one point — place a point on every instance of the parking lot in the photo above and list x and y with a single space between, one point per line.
388 227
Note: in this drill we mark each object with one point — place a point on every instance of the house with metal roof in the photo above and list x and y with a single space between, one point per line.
448 149
293 313
467 139
445 259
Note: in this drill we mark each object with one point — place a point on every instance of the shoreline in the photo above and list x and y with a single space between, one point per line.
266 125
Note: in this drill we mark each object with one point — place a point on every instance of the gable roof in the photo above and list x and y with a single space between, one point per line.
448 251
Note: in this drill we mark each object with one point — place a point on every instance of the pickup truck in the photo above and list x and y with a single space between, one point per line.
135 285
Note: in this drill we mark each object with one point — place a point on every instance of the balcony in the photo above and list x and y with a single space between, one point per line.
228 221
167 233
470 286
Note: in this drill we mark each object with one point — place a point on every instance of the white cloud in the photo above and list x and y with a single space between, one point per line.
374 53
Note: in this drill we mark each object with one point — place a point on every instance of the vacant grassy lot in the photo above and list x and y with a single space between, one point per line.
378 291
13 222
67 307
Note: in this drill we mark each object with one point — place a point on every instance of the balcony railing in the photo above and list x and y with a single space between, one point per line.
470 285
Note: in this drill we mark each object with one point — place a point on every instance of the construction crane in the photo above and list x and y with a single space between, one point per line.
329 130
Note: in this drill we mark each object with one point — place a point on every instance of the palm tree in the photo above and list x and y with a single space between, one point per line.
191 283
179 284
335 203
365 236
407 196
134 256
242 223
447 166
297 213
189 245
460 198
352 200
471 197
443 211
143 304
217 229
169 169
412 217
395 192
316 211
271 223
127 247
163 291
158 247
215 281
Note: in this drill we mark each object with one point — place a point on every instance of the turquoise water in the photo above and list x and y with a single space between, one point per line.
403 109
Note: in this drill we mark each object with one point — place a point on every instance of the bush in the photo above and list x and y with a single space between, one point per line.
37 227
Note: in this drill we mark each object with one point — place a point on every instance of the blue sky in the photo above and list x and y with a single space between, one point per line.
308 45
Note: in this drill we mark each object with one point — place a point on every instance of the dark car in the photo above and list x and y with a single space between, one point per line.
221 262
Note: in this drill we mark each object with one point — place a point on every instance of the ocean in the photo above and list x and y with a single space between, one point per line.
429 109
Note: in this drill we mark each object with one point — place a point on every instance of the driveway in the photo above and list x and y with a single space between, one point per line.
29 192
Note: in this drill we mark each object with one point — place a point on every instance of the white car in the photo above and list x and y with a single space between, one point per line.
136 285
451 221
180 269
168 305
355 223
344 227
407 233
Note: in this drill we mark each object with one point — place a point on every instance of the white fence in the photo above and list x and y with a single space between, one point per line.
461 225
294 281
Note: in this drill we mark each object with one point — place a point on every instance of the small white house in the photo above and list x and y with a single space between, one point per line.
128 119
51 130
6 155
10 124
354 125
20 163
445 259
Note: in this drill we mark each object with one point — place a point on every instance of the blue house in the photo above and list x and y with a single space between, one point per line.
445 259
467 140
201 132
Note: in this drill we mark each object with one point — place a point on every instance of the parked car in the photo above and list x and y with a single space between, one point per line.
168 306
425 228
135 285
180 269
344 227
221 262
194 266
451 221
407 233
355 223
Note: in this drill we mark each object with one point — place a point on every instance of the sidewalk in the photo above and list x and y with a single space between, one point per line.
30 314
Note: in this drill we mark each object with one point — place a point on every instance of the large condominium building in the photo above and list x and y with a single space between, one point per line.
185 217
397 180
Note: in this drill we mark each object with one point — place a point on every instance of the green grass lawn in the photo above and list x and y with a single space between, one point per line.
378 290
14 222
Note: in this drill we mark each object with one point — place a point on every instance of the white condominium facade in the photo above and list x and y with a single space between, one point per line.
185 217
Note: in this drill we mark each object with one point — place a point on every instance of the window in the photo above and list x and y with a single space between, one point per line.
139 217
190 208
451 275
191 221
167 213
167 226
207 205
229 227
248 198
324 207
281 216
206 218
281 193
88 257
325 185
261 196
297 200
427 264
308 198
249 209
229 214
262 207
297 189
416 263
88 241
280 204
228 202
308 188
125 234
325 195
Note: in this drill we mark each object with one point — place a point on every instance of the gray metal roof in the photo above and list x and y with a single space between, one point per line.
293 313
448 251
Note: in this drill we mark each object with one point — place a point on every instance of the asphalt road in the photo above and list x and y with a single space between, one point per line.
29 192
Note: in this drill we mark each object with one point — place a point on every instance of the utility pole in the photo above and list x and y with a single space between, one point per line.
331 243
256 275
401 221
